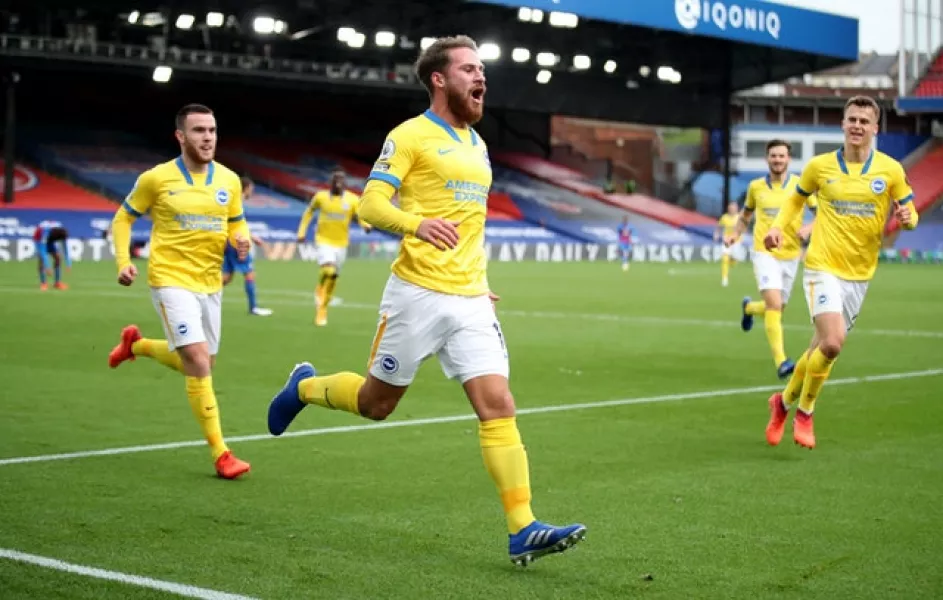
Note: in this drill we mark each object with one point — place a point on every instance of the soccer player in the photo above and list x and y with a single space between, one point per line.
336 208
232 262
52 239
775 270
196 206
726 226
856 188
625 242
437 300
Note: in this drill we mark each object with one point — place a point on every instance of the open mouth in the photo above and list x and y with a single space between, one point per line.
478 95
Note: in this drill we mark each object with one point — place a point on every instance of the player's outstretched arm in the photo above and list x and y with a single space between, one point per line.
377 209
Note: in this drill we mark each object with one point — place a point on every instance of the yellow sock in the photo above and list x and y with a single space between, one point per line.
319 294
338 391
203 403
158 350
724 267
506 461
774 335
329 289
817 372
794 386
757 307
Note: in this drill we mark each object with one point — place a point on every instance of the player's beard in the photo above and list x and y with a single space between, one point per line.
336 189
778 171
461 105
193 153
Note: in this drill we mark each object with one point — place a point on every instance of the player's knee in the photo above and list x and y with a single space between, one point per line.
831 345
774 304
196 360
250 276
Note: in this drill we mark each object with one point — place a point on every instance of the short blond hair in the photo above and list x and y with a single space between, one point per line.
435 58
864 102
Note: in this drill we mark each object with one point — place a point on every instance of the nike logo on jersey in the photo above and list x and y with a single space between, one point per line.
830 181
443 151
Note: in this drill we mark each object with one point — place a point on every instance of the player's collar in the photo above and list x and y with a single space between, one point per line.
769 181
844 167
210 169
448 128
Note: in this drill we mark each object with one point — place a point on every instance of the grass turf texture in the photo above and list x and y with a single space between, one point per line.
682 498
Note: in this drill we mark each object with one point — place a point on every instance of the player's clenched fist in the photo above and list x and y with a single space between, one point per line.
773 239
243 246
904 214
441 233
127 275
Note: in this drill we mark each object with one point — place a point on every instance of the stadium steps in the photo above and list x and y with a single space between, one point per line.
927 184
65 177
930 83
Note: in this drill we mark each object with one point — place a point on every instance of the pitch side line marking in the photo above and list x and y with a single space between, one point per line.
187 591
464 417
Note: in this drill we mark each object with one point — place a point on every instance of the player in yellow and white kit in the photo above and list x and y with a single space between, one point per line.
857 187
775 270
726 226
195 204
336 208
437 300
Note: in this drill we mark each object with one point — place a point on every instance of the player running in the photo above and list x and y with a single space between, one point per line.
775 270
726 226
336 208
857 187
437 300
232 263
195 204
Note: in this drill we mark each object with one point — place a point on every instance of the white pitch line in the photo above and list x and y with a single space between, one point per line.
463 417
187 591
504 312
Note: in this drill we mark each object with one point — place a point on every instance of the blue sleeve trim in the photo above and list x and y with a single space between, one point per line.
131 210
238 218
802 192
906 199
390 179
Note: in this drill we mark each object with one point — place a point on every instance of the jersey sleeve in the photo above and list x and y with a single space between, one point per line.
142 196
396 158
812 202
808 181
750 203
900 186
237 217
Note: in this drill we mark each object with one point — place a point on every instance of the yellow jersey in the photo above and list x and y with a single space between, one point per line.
854 201
333 224
193 217
728 223
766 199
445 173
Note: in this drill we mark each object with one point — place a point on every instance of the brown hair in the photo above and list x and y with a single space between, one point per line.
864 102
191 109
435 58
776 143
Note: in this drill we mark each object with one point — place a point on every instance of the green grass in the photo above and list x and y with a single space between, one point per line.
683 499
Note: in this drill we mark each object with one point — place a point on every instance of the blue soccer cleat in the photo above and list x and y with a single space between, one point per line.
746 323
539 539
287 403
786 368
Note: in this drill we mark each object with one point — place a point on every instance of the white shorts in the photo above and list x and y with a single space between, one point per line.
331 255
189 317
415 323
775 274
735 251
826 293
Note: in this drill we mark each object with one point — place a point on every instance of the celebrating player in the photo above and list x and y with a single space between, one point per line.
856 188
625 242
437 300
726 226
337 206
52 239
775 270
196 206
232 262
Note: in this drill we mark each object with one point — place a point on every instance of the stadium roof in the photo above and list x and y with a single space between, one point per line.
655 61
